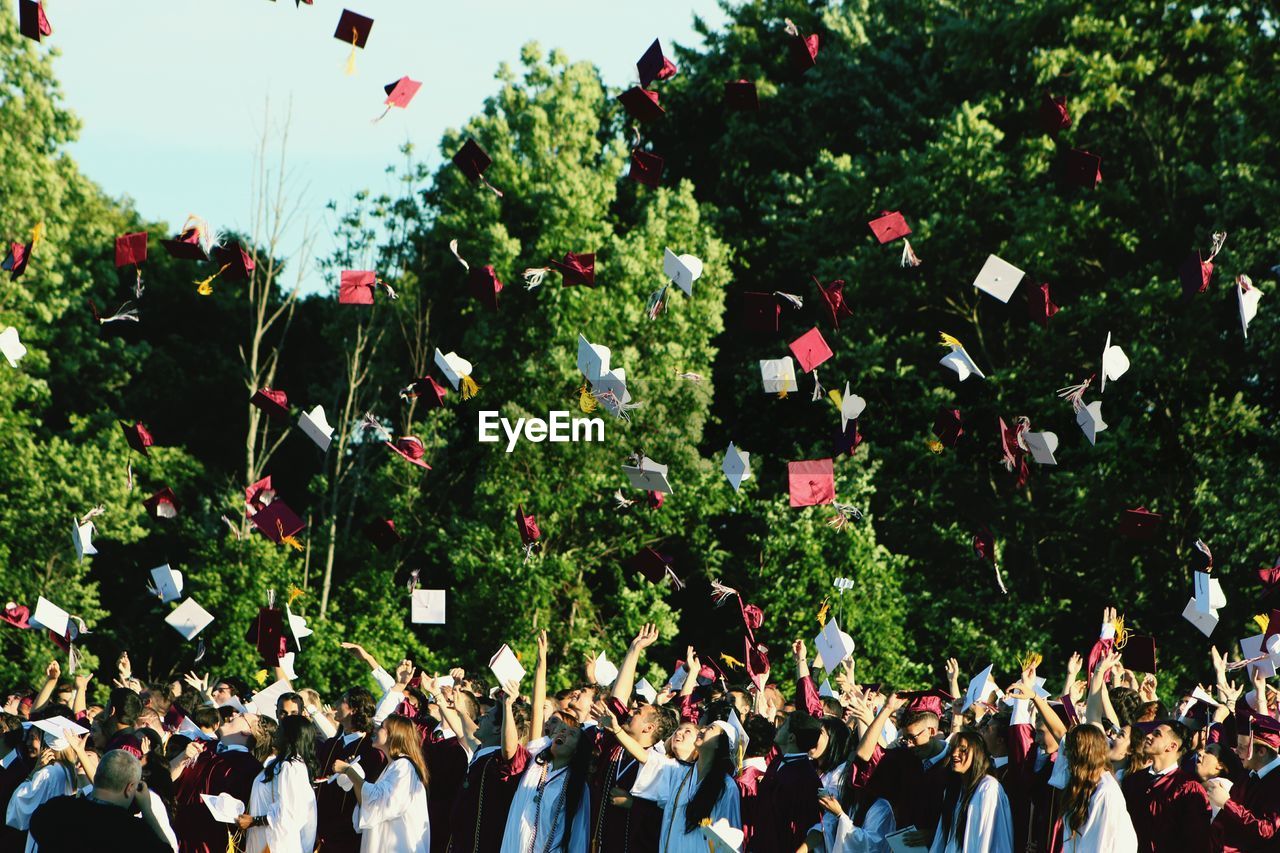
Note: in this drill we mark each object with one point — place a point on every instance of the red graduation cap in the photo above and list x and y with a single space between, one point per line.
276 521
382 533
187 246
642 104
984 545
32 22
577 268
236 261
847 440
948 426
654 65
401 92
258 496
1040 305
16 262
803 49
1139 653
356 287
428 389
646 168
353 28
16 615
163 504
1196 274
811 482
1083 169
756 661
138 436
926 701
528 526
889 226
472 160
484 285
1053 113
653 499
1273 626
833 298
761 312
1265 730
272 401
1139 524
810 350
1015 458
741 95
652 565
266 634
411 448
1269 576
131 249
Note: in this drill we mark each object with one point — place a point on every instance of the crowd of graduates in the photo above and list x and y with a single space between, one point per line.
450 763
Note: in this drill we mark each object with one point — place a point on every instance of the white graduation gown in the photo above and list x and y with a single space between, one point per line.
393 814
988 826
52 780
531 829
1107 828
672 785
840 835
289 804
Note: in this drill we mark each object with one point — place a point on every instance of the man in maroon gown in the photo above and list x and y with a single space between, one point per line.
788 794
1167 804
480 809
632 828
1250 819
335 832
228 768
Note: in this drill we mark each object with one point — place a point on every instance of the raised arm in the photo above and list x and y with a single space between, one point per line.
1098 706
806 693
537 713
609 723
510 737
80 702
52 673
449 712
693 667
1075 663
871 739
625 682
953 677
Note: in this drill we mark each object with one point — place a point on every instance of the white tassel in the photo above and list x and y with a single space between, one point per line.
790 297
721 593
817 388
128 473
92 514
371 422
691 377
999 579
1075 393
235 531
453 247
533 277
623 502
391 294
137 284
131 314
1219 237
790 27
655 304
909 258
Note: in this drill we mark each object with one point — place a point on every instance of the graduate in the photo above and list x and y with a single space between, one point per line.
760 733
391 813
1168 805
1246 815
788 804
480 810
228 769
22 747
916 795
281 815
1094 816
335 832
975 811
58 773
860 818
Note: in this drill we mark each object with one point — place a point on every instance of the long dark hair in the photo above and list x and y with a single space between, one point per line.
712 786
839 739
1087 751
295 740
575 779
955 801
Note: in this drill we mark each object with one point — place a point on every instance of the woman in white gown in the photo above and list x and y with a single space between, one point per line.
391 814
57 774
859 820
975 812
689 793
282 813
1095 818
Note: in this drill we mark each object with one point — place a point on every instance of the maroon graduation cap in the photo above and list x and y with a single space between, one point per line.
401 92
474 161
889 226
1196 273
17 259
741 95
188 245
1139 653
131 249
163 504
984 544
577 268
258 496
1014 456
646 168
1140 524
1040 305
810 350
811 482
833 297
410 448
642 104
273 401
382 533
16 615
427 389
353 28
926 701
653 566
237 262
654 65
847 440
266 634
277 522
761 312
1083 169
1053 114
32 21
138 436
484 285
528 527
803 49
355 287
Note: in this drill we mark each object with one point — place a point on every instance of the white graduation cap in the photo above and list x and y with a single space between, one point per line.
1114 363
683 270
1200 695
736 466
297 626
1247 297
722 836
11 347
851 405
224 807
58 731
427 607
51 616
778 374
593 359
676 681
264 701
825 692
453 366
645 691
1209 594
1041 445
606 672
1089 418
1204 620
978 688
959 361
1268 655
189 619
505 667
999 278
166 583
833 646
611 390
82 538
648 475
287 661
316 426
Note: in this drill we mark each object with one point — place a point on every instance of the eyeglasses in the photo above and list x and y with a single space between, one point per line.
908 737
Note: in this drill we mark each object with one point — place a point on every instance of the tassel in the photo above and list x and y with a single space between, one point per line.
131 314
384 115
371 422
533 277
817 388
291 541
1075 393
623 502
691 377
529 549
231 842
823 611
453 247
655 304
790 297
1219 237
1122 633
93 513
782 395
675 581
413 580
845 514
790 27
391 294
128 473
37 234
909 258
721 593
261 677
1031 661
234 530
836 397
137 284
730 661
1263 622
469 388
351 59
586 400
295 594
999 579
934 445
496 191
948 341
205 286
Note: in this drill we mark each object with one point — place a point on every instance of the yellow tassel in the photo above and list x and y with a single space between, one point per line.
1122 633
351 60
205 287
295 594
836 397
469 388
586 400
37 234
731 662
292 542
231 843
823 611
935 446
948 341
1031 661
782 395
1263 621
260 676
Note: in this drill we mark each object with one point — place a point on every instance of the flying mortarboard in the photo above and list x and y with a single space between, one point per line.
833 298
527 524
316 426
1139 654
980 688
163 504
653 566
948 426
810 350
273 401
958 359
189 619
1114 363
851 406
999 278
505 666
410 448
803 49
811 482
654 65
277 522
382 533
833 646
458 371
761 312
1040 305
484 285
683 270
1083 169
846 440
1041 445
1247 297
577 268
51 617
356 287
236 262
1141 524
1196 271
1089 419
266 635
736 466
646 168
778 375
166 583
193 242
131 249
1053 113
648 475
427 607
426 388
11 347
401 92
16 615
642 104
353 28
741 95
32 22
889 226
474 161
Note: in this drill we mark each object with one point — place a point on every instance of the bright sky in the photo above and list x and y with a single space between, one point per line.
172 93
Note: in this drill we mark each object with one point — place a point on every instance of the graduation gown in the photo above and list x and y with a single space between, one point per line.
753 770
614 828
11 776
1250 820
335 832
1170 811
841 835
394 814
534 820
229 772
1107 827
289 804
988 827
480 809
917 797
447 760
52 780
787 804
1046 826
672 785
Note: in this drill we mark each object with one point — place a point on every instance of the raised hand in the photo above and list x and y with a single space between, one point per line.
53 671
82 680
691 663
510 692
1148 688
799 651
647 636
1075 663
197 682
430 684
542 644
404 673
952 667
1230 692
590 665
124 668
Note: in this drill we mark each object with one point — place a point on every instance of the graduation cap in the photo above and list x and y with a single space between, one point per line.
401 92
32 21
889 226
1040 305
410 448
984 544
11 347
998 278
382 533
648 475
846 440
778 375
1083 169
474 161
1265 730
642 104
484 286
163 504
646 168
1196 271
926 701
1053 113
833 298
1269 577
803 49
316 426
131 249
258 495
528 527
458 371
958 359
353 29
192 243
1140 524
277 521
810 350
16 615
1089 419
356 287
266 634
1247 297
272 401
811 482
236 262
948 426
654 566
1139 654
736 466
741 95
577 268
761 312
654 65
428 389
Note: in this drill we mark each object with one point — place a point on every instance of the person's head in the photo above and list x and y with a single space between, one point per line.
226 689
1166 743
917 731
683 743
564 698
117 777
310 698
398 737
1087 753
123 707
264 738
32 743
289 705
798 733
716 756
651 724
565 743
295 740
152 744
240 730
1127 704
93 710
205 718
760 734
489 727
580 703
1044 734
175 746
993 729
558 721
355 710
834 742
64 693
969 762
158 697
741 700
1208 762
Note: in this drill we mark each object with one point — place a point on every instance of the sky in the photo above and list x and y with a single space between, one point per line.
173 95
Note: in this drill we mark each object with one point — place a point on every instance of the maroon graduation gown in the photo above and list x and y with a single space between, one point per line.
613 828
335 832
1251 818
749 798
13 840
230 772
916 797
447 767
787 805
1170 812
128 740
1046 826
1017 779
480 809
